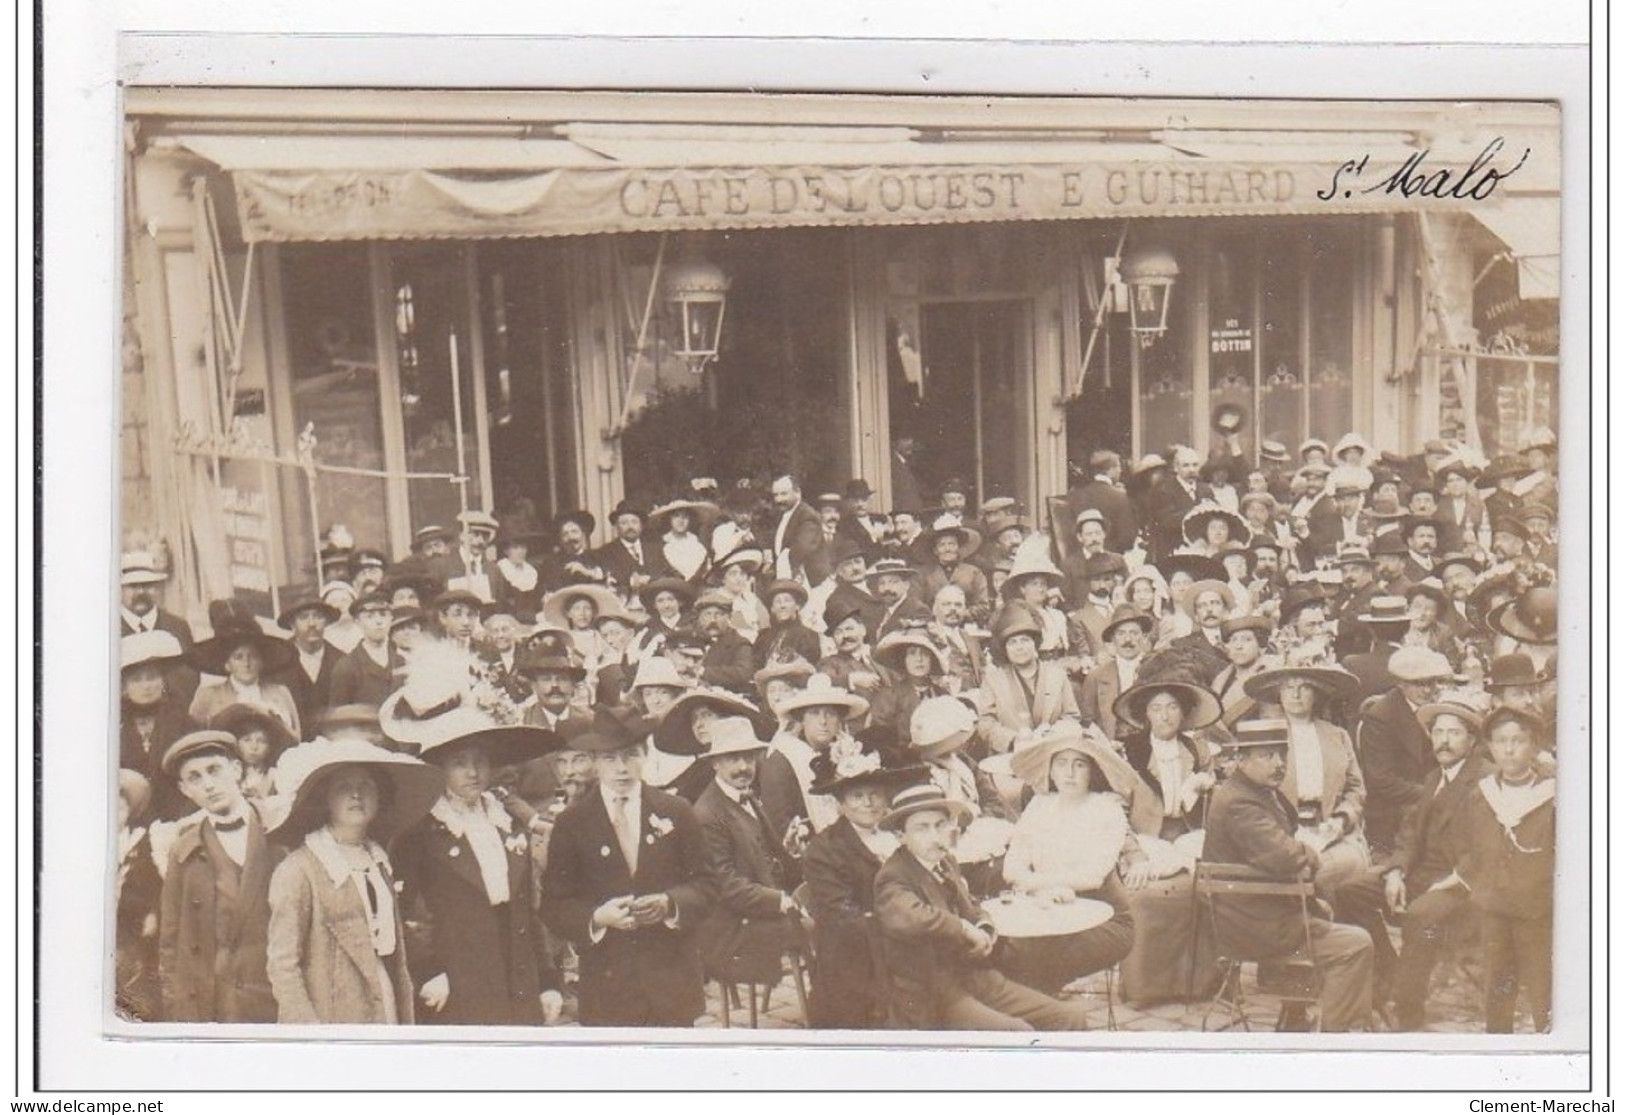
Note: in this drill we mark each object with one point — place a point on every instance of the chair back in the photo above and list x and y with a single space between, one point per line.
1217 884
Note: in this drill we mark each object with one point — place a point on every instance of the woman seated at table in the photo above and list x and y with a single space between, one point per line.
1071 843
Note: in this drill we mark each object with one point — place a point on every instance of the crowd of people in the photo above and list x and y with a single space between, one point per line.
952 759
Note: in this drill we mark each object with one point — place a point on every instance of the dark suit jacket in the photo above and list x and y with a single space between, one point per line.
619 565
1100 689
495 957
778 641
357 679
804 539
871 607
840 871
1253 825
311 697
1433 839
782 799
1211 657
1122 528
650 976
1395 755
213 923
746 933
730 663
1169 504
923 938
170 723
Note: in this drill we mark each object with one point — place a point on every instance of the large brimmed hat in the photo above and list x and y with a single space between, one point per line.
155 646
747 555
581 518
1260 625
701 512
1349 480
940 725
140 568
548 651
558 602
1302 595
678 587
613 729
657 669
303 772
794 669
1431 588
1201 707
441 706
1313 443
820 692
210 655
969 540
892 649
675 733
795 588
1128 613
1334 682
1529 618
306 604
240 716
1015 619
1031 562
1031 762
1351 441
1194 525
209 740
1200 567
734 735
1419 664
919 798
870 759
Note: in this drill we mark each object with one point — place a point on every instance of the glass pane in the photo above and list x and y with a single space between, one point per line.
1281 395
1166 392
333 371
1331 333
1231 338
430 303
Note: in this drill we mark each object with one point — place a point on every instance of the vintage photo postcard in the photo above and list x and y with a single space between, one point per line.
849 566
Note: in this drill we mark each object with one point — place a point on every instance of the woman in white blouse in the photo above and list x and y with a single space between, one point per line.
1073 841
333 898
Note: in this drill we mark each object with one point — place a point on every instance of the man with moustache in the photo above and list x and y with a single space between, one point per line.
623 558
554 670
799 547
1388 551
1250 823
499 652
1128 634
893 580
850 586
964 649
309 677
1360 588
1176 496
852 666
728 661
1421 544
140 585
571 562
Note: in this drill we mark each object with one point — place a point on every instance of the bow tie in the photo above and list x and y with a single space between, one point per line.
229 826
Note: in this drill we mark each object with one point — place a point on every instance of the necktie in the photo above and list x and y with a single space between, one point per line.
626 832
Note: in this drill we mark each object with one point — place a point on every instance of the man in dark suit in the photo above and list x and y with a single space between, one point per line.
1251 823
798 536
628 883
624 558
1422 548
140 584
851 587
1173 498
310 676
937 942
729 661
1104 493
368 673
1360 588
1211 604
857 523
1393 748
754 919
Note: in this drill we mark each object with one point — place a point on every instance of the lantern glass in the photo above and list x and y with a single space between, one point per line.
1148 306
700 316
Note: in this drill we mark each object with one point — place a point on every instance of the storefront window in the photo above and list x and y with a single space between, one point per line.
1333 266
1232 336
430 305
1167 393
333 374
1282 387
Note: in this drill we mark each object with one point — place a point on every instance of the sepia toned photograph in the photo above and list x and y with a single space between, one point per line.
839 563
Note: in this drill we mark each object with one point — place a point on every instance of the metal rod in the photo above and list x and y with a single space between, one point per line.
457 423
315 523
976 397
643 336
276 531
1100 315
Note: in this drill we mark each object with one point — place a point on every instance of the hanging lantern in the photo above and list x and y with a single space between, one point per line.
1150 275
697 292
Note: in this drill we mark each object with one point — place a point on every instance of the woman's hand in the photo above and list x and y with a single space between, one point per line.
436 992
1137 875
1056 896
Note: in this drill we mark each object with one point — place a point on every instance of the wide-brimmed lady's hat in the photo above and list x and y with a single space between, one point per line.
1200 567
701 513
242 716
1332 682
822 692
442 707
678 587
675 733
940 726
920 798
210 655
969 540
1031 559
557 603
583 519
1194 525
893 649
796 589
1031 762
1351 441
1529 618
871 759
734 735
410 787
1430 588
159 648
1198 703
1015 619
1312 443
747 556
658 670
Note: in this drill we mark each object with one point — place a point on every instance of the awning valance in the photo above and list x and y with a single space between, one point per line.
355 188
1529 227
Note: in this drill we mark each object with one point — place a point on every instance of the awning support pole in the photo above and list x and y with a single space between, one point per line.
643 339
457 423
1100 321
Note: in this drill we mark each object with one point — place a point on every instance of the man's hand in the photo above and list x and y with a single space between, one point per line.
552 1006
615 914
435 993
864 679
1137 875
651 909
979 940
1393 889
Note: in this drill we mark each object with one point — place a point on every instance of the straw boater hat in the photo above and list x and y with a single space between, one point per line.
159 648
1260 732
140 568
1333 682
892 649
440 709
734 735
304 771
969 540
822 692
1201 707
1467 714
940 726
476 520
870 759
239 717
1273 451
701 513
677 586
917 799
887 567
675 733
1194 525
1529 618
557 603
1386 612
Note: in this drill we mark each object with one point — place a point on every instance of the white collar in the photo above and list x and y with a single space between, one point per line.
634 798
325 848
733 795
456 816
148 622
1448 774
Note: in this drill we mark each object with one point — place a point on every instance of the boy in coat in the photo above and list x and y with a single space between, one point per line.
628 883
214 910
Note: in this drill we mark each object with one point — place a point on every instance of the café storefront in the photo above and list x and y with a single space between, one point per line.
375 310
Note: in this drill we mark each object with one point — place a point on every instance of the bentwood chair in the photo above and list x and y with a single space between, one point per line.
1221 884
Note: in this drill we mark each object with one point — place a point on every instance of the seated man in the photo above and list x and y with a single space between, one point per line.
753 920
1249 822
937 943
